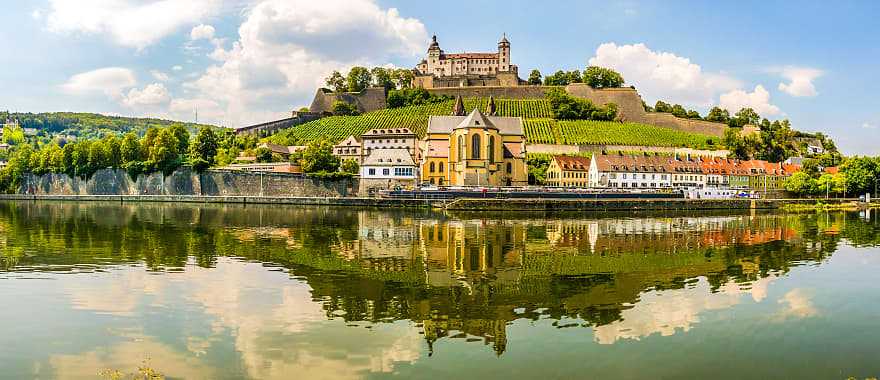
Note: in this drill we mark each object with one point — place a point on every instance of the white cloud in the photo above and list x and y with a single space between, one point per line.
286 47
152 95
110 81
132 23
37 14
867 125
800 81
202 32
663 75
798 304
177 68
759 100
160 76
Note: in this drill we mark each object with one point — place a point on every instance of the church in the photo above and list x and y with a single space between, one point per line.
440 69
476 149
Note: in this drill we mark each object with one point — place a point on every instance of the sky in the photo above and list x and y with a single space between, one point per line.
240 62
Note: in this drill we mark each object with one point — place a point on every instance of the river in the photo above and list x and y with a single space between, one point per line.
281 292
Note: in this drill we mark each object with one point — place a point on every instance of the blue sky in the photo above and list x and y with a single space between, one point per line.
246 61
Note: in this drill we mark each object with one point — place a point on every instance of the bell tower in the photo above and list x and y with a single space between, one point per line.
504 54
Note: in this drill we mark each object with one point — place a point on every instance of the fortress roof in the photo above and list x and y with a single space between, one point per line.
470 56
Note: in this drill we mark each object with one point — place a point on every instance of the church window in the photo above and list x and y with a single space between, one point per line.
441 167
475 147
461 154
509 168
491 149
432 167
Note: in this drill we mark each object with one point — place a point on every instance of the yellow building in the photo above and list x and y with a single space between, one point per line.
474 150
568 171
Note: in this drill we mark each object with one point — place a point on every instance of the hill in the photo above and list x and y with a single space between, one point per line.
88 125
540 127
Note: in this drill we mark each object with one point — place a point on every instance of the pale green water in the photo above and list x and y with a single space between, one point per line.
212 292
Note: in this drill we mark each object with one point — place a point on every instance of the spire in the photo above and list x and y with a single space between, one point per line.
458 108
434 45
490 108
504 41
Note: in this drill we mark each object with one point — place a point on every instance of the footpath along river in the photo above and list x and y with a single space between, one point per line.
224 291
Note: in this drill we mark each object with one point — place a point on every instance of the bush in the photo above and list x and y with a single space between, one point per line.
566 107
344 109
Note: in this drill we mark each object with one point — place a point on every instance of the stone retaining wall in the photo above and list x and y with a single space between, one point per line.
187 182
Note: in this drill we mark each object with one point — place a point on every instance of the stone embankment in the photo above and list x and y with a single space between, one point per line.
184 181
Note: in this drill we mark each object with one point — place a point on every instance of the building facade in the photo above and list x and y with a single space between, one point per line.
390 138
479 150
349 149
568 171
391 164
440 69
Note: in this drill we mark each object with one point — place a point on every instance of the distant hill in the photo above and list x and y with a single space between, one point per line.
88 125
540 127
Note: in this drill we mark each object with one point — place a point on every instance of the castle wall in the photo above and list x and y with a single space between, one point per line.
370 99
499 92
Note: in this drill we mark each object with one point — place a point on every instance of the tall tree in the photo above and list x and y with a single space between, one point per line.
204 147
719 115
601 77
535 77
358 79
336 81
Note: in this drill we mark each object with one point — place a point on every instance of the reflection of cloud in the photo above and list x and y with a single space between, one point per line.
669 311
127 357
799 304
115 293
279 330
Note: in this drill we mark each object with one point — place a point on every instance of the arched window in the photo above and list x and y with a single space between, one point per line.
461 148
475 147
441 166
491 149
432 167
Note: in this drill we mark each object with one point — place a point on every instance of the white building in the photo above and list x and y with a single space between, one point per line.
390 138
392 164
630 172
440 64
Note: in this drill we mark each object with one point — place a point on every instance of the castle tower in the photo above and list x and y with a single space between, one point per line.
504 54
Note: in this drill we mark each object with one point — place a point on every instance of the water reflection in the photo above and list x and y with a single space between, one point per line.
327 292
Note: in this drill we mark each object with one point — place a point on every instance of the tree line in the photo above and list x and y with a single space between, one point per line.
855 176
593 76
159 149
359 78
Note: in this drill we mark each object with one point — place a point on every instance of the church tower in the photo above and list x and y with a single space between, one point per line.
504 54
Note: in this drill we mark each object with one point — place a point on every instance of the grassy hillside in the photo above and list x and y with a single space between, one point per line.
538 123
87 125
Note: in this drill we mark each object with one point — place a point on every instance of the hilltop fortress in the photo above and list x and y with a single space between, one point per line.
481 75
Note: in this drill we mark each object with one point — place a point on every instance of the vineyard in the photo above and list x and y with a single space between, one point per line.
540 127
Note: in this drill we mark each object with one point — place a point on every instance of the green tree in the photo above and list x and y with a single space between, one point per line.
402 78
800 183
559 78
600 77
203 151
341 108
679 111
662 106
318 157
336 82
535 77
181 134
130 149
691 114
163 153
382 78
349 166
358 79
743 117
718 115
263 154
13 135
861 174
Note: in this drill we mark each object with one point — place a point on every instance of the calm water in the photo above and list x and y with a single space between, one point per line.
228 292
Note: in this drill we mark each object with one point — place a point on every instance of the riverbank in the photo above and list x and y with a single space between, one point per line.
463 204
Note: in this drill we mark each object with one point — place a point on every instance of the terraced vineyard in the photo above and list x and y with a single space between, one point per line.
575 132
537 115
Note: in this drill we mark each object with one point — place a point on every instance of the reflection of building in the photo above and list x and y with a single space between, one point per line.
475 150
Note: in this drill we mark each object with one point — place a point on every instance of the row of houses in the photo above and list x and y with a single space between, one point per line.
619 171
